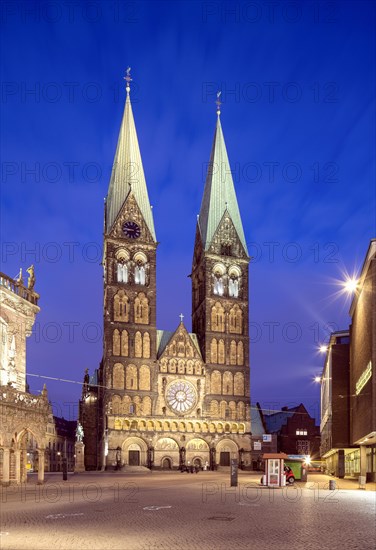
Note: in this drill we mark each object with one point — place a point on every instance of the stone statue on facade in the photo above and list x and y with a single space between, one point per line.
31 279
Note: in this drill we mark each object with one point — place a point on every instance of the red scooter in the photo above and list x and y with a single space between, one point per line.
290 478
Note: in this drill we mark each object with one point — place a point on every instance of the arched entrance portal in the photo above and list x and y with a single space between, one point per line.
134 452
197 462
226 450
167 464
29 456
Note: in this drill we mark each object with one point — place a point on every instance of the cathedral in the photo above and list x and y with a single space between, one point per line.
165 399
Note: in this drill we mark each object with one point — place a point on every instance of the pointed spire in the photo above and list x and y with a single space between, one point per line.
219 192
127 171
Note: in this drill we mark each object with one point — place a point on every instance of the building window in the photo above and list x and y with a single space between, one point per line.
140 268
122 272
301 431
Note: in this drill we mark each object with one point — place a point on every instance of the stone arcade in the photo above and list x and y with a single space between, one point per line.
163 399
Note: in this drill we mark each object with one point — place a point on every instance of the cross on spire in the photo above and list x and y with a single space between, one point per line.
218 103
181 317
128 79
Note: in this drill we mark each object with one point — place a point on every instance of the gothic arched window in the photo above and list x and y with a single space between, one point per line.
218 279
122 259
121 306
138 344
240 357
221 352
124 343
214 351
140 268
141 309
116 342
122 272
144 378
227 383
146 346
236 320
233 352
218 318
215 382
239 384
118 377
131 377
234 281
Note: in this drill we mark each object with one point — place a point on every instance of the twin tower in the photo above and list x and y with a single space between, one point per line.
165 399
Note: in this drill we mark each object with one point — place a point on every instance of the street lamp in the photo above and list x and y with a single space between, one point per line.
350 285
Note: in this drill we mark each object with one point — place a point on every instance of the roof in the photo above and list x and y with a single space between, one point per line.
257 427
128 174
219 193
274 422
164 336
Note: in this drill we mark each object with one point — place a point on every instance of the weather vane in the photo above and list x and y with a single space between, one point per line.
128 79
218 103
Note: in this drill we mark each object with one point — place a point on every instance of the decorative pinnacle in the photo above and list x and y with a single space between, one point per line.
218 103
181 317
128 79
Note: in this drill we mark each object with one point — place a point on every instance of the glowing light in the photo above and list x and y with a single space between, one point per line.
323 348
318 379
350 285
308 460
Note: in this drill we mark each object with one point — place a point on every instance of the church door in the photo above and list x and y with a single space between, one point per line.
224 459
166 464
134 458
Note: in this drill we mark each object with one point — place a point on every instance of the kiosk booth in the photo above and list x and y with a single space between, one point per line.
274 469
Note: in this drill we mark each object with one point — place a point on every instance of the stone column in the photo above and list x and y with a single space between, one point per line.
6 467
18 466
40 466
79 462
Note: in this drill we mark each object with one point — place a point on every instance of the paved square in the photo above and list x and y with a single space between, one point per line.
178 510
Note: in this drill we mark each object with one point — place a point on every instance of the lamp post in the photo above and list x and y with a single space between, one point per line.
150 456
65 464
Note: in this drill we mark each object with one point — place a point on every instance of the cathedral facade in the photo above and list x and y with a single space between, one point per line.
169 399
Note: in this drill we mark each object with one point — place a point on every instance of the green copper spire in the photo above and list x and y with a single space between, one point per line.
219 192
127 171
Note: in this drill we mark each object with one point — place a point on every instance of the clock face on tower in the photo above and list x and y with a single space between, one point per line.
131 230
181 396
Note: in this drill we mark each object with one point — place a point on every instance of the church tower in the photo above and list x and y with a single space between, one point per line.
129 262
220 290
170 399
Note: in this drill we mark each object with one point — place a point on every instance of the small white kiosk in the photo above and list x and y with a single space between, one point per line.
274 469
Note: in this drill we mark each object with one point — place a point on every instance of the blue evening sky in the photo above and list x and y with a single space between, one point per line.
298 115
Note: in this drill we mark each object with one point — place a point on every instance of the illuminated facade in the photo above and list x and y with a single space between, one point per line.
362 366
23 416
348 390
162 398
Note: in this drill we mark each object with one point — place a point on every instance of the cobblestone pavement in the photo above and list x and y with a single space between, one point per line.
183 511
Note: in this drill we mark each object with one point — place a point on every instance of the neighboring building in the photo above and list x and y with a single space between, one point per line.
23 416
335 405
362 367
60 445
263 442
348 392
296 430
159 397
